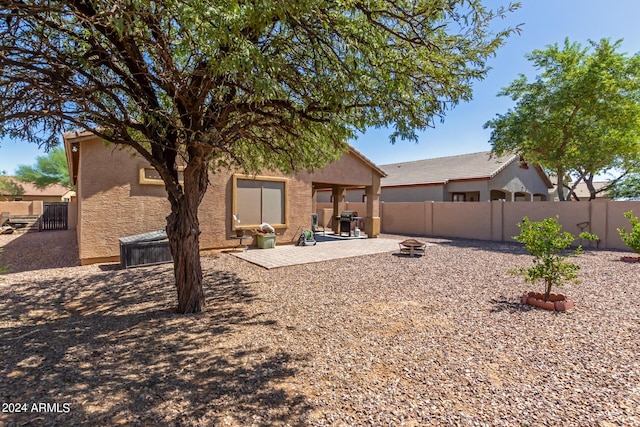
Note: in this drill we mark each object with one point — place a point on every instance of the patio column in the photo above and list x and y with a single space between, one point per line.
372 220
339 196
314 201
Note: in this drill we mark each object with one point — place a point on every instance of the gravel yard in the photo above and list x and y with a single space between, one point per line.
373 340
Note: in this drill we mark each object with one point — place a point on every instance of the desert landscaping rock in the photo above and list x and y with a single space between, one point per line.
375 340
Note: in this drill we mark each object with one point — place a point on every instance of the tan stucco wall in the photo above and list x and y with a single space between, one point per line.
72 215
614 214
325 211
462 220
42 198
111 202
216 216
569 214
498 220
352 196
114 204
469 188
516 179
22 208
418 193
348 171
406 217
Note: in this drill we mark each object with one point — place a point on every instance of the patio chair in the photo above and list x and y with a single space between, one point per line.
315 227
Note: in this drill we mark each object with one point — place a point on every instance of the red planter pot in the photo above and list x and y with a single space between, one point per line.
556 302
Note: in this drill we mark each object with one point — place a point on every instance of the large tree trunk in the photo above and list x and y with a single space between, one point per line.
183 230
560 184
592 189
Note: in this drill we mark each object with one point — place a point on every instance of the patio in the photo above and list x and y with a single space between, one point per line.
327 248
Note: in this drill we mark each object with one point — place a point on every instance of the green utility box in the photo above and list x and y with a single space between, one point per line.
266 241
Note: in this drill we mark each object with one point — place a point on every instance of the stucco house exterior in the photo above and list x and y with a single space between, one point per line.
464 178
119 194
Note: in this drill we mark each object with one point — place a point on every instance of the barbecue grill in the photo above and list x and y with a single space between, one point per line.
346 218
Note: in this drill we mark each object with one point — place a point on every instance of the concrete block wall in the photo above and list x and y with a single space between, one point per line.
33 207
498 220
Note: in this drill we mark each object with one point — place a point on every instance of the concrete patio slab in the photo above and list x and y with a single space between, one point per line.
286 255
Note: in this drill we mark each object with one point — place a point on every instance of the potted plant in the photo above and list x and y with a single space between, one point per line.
632 238
547 243
239 231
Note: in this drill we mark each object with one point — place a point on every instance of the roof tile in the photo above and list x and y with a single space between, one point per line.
444 169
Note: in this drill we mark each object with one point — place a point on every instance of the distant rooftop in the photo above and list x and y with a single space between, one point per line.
582 191
444 169
56 190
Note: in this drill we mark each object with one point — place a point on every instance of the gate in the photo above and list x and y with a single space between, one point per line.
54 216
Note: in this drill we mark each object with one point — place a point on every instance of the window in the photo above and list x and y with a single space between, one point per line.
457 197
150 176
260 199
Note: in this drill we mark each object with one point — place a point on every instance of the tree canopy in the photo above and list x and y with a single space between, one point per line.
8 187
627 188
580 116
48 169
246 85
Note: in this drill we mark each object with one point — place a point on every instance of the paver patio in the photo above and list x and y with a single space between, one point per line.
286 255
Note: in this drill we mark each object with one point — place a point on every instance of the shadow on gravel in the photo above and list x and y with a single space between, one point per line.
37 251
111 346
485 245
503 304
110 267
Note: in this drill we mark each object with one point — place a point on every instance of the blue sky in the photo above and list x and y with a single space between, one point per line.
545 22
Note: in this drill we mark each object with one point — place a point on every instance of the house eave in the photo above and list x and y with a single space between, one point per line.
368 162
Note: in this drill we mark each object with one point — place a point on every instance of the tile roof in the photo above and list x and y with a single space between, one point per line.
49 191
582 191
445 169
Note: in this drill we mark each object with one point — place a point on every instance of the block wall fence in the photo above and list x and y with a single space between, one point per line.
22 208
497 220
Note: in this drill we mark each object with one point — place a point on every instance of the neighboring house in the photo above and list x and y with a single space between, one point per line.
120 194
464 178
51 193
582 191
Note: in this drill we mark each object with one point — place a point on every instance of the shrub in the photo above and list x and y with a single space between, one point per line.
3 268
632 238
546 242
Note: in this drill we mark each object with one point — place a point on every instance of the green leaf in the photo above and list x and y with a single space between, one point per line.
631 238
547 243
579 116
